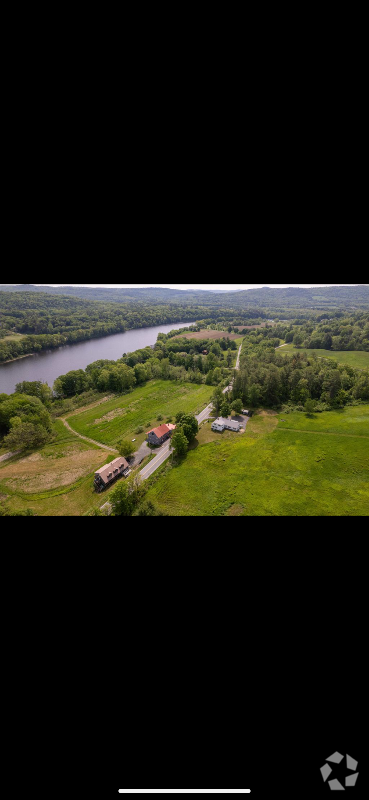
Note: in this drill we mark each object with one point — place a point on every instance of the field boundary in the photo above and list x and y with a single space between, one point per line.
325 433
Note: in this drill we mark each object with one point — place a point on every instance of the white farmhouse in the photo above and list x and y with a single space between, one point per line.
222 424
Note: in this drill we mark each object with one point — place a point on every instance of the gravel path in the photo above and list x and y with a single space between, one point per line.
9 455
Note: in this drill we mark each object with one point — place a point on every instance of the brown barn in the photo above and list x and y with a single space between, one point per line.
107 474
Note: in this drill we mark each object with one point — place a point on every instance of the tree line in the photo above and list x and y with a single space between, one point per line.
269 379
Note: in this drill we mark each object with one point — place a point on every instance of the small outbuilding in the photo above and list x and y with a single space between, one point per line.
222 424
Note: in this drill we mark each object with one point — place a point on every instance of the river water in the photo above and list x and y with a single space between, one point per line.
49 364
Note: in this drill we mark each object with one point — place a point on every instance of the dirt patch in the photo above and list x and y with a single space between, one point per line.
208 335
31 459
44 474
3 497
118 412
235 510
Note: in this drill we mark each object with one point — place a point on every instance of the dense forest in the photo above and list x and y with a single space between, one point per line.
277 299
269 379
47 321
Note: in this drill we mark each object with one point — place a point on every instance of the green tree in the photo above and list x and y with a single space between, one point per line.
190 426
310 406
126 448
254 395
179 443
26 436
35 389
121 500
237 406
298 339
148 509
225 409
217 400
126 497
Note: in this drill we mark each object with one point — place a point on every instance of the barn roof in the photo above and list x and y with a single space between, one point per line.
162 430
110 471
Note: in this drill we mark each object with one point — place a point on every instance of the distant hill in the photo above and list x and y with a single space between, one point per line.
330 297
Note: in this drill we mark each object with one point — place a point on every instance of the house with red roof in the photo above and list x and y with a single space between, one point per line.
159 435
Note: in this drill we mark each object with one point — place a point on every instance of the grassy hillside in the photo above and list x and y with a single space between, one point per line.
119 418
358 359
320 470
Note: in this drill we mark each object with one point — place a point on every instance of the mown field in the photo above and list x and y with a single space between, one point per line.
206 334
354 358
14 337
57 480
304 467
119 418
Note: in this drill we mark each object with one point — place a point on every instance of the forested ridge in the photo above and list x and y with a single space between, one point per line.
46 321
277 299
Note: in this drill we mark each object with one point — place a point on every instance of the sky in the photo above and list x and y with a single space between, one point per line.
197 286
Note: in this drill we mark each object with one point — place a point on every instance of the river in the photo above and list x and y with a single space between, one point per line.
49 364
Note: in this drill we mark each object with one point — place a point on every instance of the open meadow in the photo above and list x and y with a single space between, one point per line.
316 466
207 334
56 480
354 358
119 418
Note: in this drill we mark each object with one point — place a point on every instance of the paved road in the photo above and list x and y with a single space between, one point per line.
162 454
166 449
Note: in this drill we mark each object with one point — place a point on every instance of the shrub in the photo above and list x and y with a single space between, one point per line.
140 429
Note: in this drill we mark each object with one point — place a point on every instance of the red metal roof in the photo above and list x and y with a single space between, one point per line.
162 430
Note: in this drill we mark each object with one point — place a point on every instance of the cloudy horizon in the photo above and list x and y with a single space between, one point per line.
196 286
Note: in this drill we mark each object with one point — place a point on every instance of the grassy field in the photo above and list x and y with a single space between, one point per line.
14 337
272 470
119 418
56 480
207 334
355 358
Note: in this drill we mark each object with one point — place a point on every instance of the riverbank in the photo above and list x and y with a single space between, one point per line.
10 360
47 365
